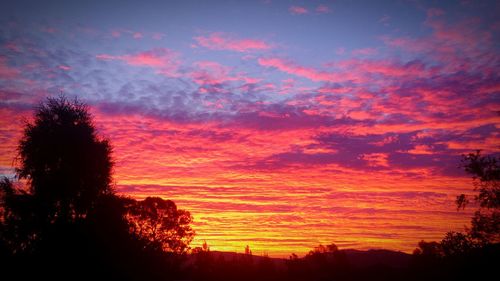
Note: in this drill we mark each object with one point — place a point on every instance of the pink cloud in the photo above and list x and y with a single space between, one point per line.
116 33
154 58
297 10
137 35
361 115
323 9
157 35
162 59
210 73
354 70
64 67
6 71
292 68
383 67
377 159
421 149
222 41
12 46
107 57
144 59
458 46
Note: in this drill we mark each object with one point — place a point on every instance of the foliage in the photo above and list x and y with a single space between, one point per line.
485 171
470 254
161 225
457 244
63 217
66 165
429 249
247 250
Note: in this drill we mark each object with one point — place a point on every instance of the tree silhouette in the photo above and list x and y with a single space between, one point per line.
63 218
456 244
66 165
247 250
161 224
429 250
471 254
327 262
485 171
203 265
66 169
205 247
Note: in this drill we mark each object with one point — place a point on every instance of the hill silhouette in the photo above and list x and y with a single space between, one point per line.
357 258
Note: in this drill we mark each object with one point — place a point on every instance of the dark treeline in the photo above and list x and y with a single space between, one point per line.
60 219
329 263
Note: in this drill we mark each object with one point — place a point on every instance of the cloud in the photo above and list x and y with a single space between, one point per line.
65 67
137 35
224 41
355 70
295 69
212 73
116 33
298 10
369 144
164 60
457 46
387 68
157 35
6 71
323 9
134 34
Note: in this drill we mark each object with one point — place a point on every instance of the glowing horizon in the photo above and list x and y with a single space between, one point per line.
279 125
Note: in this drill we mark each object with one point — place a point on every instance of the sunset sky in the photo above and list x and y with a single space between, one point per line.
277 124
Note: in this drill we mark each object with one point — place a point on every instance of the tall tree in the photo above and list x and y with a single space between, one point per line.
65 163
66 169
485 171
67 217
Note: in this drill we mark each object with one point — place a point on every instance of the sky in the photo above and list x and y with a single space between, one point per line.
278 124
